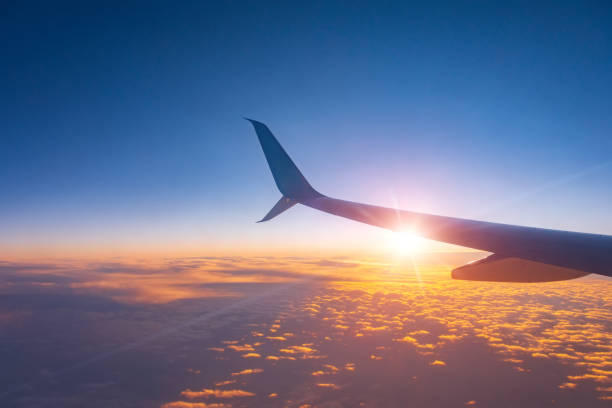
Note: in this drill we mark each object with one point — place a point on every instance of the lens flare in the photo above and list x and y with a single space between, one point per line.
406 243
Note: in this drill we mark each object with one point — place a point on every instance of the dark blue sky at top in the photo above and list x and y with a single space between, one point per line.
118 115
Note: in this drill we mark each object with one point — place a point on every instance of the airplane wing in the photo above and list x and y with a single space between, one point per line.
520 254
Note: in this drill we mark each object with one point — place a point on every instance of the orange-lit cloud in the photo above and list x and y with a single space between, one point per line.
244 347
328 385
207 392
248 371
186 404
224 383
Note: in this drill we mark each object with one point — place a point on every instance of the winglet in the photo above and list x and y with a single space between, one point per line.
281 206
288 178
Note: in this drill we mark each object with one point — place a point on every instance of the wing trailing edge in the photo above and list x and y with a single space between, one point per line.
499 268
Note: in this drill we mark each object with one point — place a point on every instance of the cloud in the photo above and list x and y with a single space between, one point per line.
186 404
248 371
328 369
328 385
244 347
223 383
138 281
277 338
318 332
216 393
298 350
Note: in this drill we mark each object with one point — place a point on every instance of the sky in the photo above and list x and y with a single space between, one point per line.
122 127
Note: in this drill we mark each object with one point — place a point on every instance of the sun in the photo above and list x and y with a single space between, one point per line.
406 243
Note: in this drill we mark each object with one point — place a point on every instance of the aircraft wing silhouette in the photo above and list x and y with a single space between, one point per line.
520 254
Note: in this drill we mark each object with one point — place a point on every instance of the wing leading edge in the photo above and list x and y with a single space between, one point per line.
566 254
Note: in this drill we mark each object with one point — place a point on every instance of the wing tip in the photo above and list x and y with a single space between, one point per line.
252 121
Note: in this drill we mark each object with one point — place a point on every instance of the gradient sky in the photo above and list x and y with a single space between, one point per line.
122 131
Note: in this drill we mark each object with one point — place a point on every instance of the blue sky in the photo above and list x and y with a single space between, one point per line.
122 125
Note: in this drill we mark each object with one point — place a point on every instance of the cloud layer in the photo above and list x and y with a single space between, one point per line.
217 332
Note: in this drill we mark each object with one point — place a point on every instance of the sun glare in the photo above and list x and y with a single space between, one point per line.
406 243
